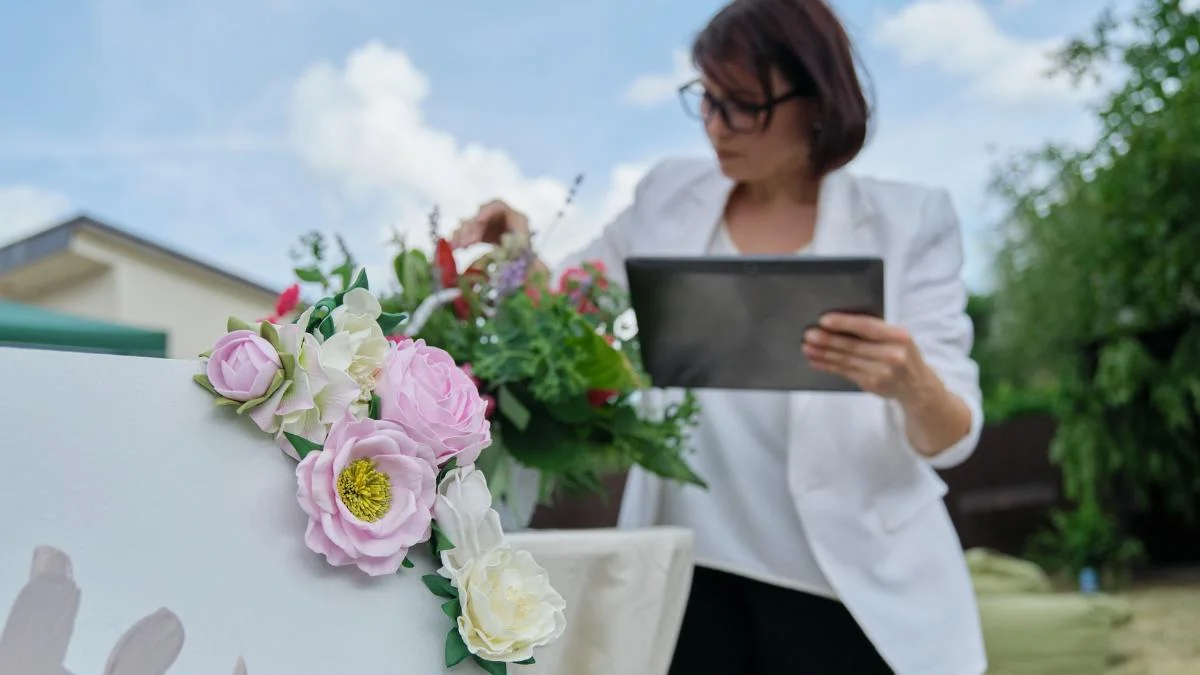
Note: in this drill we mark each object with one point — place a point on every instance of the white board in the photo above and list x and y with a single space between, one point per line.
163 500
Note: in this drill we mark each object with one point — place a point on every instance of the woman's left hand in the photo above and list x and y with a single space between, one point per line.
881 358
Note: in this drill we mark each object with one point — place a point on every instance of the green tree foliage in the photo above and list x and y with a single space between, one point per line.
1099 267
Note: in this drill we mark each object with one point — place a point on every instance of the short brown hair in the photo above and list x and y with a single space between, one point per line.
807 44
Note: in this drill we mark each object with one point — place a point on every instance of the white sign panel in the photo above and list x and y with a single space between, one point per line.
162 499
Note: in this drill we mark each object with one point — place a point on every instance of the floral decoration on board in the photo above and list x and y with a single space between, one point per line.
555 358
386 431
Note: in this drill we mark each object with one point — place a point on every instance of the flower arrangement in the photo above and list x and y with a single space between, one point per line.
555 360
386 432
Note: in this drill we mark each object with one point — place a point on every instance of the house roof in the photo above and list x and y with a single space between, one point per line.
58 239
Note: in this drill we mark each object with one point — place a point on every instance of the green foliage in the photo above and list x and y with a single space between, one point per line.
314 266
564 384
1082 538
1009 390
1098 285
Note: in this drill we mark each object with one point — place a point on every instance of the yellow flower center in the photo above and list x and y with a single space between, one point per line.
365 490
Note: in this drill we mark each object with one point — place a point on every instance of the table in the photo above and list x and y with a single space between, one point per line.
626 591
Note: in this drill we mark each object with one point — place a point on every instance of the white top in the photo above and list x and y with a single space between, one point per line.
746 523
871 504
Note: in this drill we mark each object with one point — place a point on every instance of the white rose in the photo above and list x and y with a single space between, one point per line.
357 345
509 607
314 398
464 514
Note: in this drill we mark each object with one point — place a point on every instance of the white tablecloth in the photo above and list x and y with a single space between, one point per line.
626 591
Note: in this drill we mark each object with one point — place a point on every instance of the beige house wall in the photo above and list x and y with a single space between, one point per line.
145 287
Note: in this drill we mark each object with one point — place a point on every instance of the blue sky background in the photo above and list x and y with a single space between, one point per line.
226 129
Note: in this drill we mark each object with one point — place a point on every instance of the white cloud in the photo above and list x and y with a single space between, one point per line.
960 37
652 89
25 209
361 127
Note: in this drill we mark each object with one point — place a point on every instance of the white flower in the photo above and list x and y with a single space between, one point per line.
357 345
509 607
463 511
314 397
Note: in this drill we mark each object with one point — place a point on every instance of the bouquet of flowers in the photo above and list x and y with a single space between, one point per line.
556 360
386 432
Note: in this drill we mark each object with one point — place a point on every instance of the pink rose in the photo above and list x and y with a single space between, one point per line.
369 495
242 366
421 389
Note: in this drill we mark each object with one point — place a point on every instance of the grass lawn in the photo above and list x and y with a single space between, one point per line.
1164 636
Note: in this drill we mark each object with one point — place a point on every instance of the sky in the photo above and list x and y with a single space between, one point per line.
228 128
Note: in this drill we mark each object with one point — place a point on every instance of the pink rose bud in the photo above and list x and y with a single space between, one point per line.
242 366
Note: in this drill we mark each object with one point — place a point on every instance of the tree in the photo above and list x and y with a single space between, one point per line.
1099 266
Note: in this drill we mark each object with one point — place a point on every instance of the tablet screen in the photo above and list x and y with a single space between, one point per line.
739 322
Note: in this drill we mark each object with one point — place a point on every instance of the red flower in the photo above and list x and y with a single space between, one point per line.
285 303
598 398
578 282
443 258
288 300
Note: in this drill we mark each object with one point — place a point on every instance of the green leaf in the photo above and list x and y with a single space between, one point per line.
311 275
449 466
452 608
202 380
511 407
389 320
406 563
360 281
456 649
492 667
320 311
268 332
444 543
413 272
235 324
527 662
440 586
373 408
302 445
343 272
326 328
289 365
605 367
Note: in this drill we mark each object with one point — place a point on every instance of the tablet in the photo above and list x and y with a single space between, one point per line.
739 322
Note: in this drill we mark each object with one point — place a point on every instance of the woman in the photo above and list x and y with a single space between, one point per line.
822 543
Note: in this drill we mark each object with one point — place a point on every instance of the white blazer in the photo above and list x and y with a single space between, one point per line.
871 505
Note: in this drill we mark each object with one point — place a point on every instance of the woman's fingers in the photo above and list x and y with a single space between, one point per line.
890 354
492 221
865 327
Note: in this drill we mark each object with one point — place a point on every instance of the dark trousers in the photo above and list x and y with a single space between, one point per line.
738 626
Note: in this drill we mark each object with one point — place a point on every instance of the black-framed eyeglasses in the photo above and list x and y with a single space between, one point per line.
738 116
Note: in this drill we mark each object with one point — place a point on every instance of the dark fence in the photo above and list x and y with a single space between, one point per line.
1003 494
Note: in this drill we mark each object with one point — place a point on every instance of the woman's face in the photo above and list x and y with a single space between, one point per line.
746 151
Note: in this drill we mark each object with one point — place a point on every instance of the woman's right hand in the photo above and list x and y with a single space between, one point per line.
493 220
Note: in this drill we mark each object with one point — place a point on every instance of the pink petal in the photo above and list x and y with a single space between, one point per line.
318 542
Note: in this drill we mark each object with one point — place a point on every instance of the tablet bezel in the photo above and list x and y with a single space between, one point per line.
646 272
